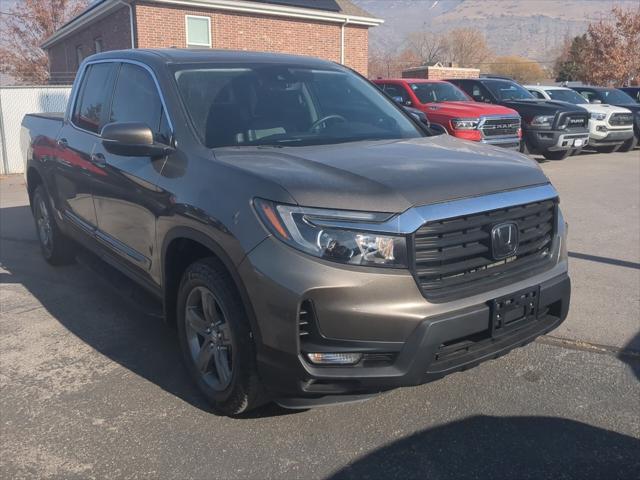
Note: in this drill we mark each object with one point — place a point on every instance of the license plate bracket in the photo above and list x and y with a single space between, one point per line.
514 310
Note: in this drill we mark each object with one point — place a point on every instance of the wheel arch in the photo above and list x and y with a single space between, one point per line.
174 246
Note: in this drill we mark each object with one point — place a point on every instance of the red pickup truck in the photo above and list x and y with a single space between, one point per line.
448 106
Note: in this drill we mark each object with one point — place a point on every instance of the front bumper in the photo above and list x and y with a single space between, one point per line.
381 312
511 142
556 140
601 135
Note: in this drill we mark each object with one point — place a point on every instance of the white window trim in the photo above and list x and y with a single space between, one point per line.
186 30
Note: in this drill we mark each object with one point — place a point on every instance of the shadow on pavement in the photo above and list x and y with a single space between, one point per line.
607 260
483 447
631 356
98 313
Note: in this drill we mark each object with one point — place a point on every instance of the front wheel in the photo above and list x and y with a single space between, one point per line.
629 144
559 155
216 340
57 248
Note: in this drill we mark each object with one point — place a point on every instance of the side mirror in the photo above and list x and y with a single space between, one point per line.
132 139
438 129
398 100
596 101
418 115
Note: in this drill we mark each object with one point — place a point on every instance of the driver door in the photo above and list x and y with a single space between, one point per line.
128 200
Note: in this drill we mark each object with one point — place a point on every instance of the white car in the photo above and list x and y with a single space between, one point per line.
609 126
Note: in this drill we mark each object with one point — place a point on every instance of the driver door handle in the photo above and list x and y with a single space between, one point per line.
98 160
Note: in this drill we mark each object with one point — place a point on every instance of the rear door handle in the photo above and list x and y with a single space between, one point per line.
63 143
98 160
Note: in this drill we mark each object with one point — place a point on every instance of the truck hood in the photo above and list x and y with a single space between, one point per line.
547 107
602 108
469 109
386 176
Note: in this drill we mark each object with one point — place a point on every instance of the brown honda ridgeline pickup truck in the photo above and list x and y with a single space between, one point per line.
310 240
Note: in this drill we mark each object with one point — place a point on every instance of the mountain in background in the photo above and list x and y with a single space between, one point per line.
529 28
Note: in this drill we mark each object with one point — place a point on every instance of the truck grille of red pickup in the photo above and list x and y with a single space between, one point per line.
493 127
452 258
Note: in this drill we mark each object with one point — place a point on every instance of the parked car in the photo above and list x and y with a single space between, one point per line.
609 127
633 92
613 96
309 240
448 106
553 129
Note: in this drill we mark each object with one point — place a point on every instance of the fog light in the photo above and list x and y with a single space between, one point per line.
334 358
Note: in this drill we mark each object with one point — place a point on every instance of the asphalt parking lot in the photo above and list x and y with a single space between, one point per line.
91 387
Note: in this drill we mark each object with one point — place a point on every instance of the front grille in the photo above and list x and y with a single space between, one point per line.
621 119
452 258
493 127
574 120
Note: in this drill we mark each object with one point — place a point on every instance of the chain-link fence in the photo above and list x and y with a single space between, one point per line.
15 102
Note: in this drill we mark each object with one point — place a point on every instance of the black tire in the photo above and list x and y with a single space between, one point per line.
57 248
559 155
235 387
524 147
608 149
629 144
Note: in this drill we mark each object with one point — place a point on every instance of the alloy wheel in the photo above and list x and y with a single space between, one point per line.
209 338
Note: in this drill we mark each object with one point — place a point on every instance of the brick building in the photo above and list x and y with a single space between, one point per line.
335 30
439 72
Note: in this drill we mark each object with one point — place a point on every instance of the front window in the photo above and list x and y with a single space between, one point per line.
613 95
278 105
570 96
438 92
505 90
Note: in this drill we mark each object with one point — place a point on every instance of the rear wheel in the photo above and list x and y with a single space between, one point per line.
216 339
559 155
629 144
607 149
57 248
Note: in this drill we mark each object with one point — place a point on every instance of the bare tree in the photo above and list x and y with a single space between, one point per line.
24 28
467 47
428 47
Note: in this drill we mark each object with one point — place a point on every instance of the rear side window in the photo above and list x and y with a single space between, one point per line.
93 100
136 99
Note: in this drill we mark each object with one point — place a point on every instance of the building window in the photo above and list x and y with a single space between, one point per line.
79 54
97 43
198 31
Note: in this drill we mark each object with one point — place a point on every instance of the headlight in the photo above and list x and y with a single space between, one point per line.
544 121
302 228
465 123
598 116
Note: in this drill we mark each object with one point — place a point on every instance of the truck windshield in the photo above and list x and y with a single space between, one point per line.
570 96
613 96
506 90
438 92
276 105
